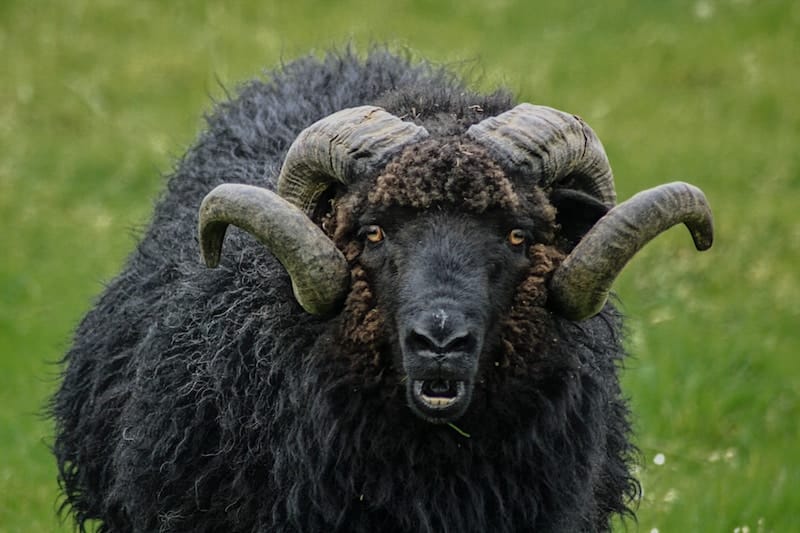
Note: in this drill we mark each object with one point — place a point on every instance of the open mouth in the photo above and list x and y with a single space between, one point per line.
439 393
439 400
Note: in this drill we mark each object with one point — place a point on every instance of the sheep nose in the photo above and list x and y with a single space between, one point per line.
440 333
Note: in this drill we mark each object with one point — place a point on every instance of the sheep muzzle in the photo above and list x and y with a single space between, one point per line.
441 348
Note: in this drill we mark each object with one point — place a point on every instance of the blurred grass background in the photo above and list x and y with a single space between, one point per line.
97 99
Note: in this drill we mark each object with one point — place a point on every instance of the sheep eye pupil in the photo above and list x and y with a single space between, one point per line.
516 237
374 234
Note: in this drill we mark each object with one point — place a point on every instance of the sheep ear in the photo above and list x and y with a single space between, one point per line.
576 213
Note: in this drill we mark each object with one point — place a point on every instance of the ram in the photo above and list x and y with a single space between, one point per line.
407 328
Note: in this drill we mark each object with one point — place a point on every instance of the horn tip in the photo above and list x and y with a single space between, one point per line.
210 252
211 235
703 240
209 260
702 229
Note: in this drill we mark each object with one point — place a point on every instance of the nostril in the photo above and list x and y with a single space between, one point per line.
461 343
420 341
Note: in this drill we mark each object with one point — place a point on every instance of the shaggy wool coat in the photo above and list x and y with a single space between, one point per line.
207 400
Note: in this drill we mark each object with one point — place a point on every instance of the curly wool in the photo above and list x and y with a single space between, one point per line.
447 171
207 400
451 173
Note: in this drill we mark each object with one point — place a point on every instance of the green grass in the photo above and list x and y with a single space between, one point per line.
98 98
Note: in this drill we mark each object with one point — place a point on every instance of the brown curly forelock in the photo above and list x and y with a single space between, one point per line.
447 171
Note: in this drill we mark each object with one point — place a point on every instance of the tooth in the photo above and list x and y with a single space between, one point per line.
437 402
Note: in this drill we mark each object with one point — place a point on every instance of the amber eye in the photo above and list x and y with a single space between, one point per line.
374 234
516 237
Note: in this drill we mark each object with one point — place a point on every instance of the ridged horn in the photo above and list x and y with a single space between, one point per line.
558 149
337 148
341 146
580 286
319 272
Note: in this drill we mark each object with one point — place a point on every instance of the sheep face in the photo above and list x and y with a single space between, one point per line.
443 279
444 242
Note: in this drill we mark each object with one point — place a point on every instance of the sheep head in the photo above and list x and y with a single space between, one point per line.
453 236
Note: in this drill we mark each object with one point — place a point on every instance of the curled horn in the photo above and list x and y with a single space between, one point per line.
558 149
337 148
561 151
340 147
580 286
317 268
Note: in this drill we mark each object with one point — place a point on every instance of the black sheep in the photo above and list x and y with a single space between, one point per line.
442 358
